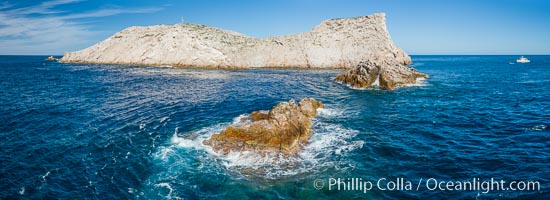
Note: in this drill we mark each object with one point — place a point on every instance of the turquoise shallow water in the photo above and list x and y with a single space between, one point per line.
110 131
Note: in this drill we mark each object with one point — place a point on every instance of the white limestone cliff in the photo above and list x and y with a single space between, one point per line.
335 43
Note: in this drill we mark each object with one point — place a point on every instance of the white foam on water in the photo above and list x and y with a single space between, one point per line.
245 158
331 139
420 82
22 191
168 186
45 175
170 70
240 118
164 153
163 119
185 143
330 112
377 81
533 81
538 128
372 87
196 138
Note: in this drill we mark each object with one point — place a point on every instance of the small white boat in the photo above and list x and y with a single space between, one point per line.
522 60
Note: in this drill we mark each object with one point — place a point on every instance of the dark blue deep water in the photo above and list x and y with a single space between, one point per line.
109 131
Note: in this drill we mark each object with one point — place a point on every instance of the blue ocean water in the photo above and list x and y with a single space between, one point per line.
109 131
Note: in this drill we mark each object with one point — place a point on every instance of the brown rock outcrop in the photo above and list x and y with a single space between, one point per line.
388 74
284 129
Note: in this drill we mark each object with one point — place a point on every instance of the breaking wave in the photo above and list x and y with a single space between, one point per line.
420 82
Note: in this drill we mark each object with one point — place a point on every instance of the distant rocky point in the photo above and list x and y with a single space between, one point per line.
387 74
284 129
335 43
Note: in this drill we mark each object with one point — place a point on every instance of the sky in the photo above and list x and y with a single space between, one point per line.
420 27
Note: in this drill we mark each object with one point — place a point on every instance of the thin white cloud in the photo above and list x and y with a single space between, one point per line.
43 8
5 5
41 29
109 12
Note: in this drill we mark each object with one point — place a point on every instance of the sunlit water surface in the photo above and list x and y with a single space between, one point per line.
110 131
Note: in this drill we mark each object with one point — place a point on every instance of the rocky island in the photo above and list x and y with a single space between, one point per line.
335 43
283 129
361 44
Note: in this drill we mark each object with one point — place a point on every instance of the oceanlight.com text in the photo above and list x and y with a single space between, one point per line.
429 184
